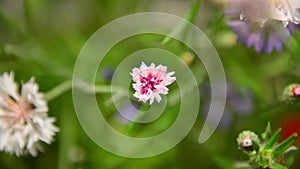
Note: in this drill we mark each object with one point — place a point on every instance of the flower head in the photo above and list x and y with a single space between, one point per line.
23 117
291 93
246 138
127 113
286 11
239 103
151 81
267 28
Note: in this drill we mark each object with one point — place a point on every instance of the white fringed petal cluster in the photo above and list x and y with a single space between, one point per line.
23 117
285 11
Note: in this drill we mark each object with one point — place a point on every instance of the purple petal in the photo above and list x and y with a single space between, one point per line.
257 40
273 42
292 27
241 28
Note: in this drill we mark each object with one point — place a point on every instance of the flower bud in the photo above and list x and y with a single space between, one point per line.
245 140
292 93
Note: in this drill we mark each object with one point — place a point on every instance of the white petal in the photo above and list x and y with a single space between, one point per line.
8 85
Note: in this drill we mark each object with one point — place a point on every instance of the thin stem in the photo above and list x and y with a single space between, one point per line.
68 135
182 27
133 123
27 17
58 90
67 85
193 13
114 98
102 89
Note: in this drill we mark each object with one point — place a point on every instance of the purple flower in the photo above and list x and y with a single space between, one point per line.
127 113
263 24
239 101
151 81
263 10
270 36
107 73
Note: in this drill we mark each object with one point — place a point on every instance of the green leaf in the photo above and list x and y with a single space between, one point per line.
278 166
290 158
273 140
282 147
290 161
268 132
190 18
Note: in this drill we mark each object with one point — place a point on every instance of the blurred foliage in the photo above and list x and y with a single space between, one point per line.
43 39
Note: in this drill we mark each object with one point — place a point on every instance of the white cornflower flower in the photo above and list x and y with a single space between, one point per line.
285 11
23 117
151 81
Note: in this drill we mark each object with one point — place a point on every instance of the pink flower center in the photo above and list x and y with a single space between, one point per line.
247 141
296 91
19 112
149 82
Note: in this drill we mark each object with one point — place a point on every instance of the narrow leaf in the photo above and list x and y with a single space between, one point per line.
290 161
282 147
267 134
273 140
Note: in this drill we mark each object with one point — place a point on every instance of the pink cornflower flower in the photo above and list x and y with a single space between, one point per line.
296 90
151 81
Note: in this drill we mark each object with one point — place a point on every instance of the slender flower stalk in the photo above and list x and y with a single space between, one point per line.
23 117
151 81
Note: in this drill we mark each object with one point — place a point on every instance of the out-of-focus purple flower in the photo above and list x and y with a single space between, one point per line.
248 10
263 24
127 112
239 101
107 73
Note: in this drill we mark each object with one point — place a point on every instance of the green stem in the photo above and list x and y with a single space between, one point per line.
67 85
68 135
27 17
102 88
133 124
193 13
58 90
190 18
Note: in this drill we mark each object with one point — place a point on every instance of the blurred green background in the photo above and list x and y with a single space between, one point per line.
43 39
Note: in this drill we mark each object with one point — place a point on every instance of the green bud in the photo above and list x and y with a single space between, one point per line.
246 140
292 93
